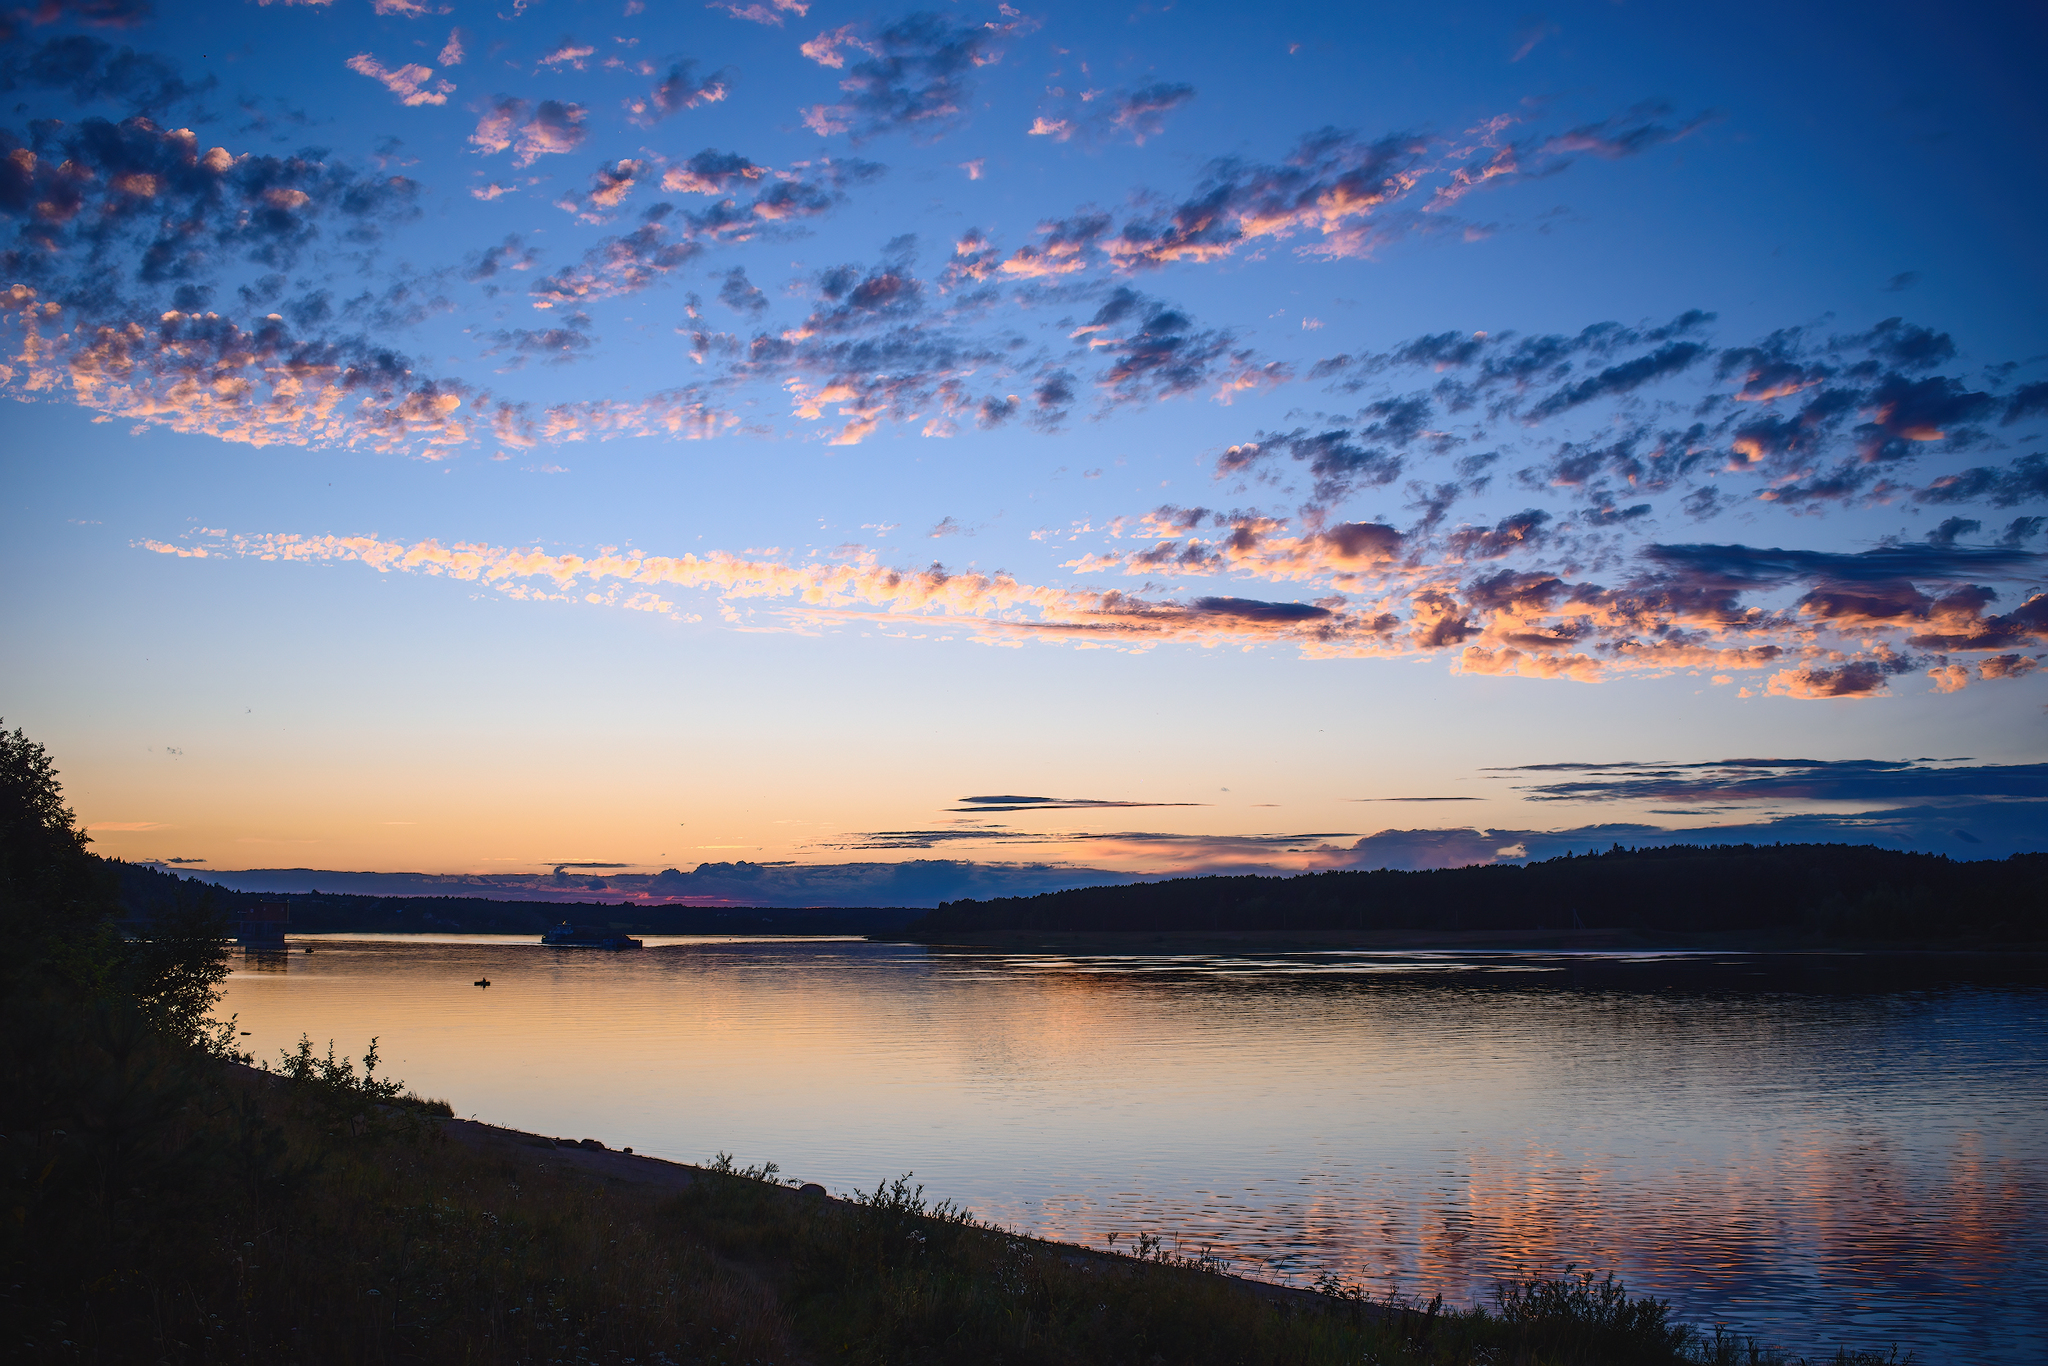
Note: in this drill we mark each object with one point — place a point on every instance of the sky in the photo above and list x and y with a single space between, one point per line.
867 455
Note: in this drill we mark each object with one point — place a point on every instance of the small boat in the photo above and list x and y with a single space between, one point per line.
567 936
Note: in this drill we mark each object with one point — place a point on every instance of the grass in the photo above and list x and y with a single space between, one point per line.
292 1222
889 1279
321 1215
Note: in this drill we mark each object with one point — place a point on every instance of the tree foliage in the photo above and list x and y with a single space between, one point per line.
61 913
51 890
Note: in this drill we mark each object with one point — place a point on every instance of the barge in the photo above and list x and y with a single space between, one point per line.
568 936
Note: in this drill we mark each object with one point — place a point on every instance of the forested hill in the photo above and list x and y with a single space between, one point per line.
1827 888
146 891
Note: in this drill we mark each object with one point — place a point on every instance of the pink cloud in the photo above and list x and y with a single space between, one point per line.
550 128
769 13
409 83
609 187
829 48
568 53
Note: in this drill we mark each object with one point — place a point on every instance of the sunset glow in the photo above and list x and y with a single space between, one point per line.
456 445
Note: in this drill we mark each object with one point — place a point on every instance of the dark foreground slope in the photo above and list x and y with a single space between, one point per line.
1841 890
254 1219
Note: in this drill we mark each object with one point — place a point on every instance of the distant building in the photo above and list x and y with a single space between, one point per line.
261 926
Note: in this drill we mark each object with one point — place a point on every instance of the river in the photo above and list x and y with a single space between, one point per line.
1804 1148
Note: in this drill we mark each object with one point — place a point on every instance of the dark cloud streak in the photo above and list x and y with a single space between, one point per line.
999 803
1769 780
89 70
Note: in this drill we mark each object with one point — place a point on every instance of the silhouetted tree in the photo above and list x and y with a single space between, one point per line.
60 915
55 898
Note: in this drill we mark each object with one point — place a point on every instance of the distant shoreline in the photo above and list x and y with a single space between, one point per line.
1456 941
1178 942
1494 960
1117 943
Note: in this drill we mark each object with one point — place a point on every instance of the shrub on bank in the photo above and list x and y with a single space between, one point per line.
885 1278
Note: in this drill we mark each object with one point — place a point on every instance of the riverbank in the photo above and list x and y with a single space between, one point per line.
322 1218
642 1177
886 1276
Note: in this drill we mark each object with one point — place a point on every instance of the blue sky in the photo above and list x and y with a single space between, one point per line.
467 440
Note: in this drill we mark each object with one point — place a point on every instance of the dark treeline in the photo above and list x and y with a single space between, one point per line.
1815 889
144 890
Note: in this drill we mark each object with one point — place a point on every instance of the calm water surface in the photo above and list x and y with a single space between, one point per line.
1812 1163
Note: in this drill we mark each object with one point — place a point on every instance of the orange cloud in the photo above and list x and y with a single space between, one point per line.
1950 677
1400 607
